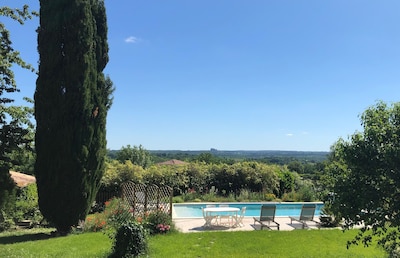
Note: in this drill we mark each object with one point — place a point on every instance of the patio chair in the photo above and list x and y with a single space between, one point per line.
209 218
227 218
267 216
239 221
306 215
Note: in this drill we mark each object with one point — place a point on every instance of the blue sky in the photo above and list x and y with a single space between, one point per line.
240 75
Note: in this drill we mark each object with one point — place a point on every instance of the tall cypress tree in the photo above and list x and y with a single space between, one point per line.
71 102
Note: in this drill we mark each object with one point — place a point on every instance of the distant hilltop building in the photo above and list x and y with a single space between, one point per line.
213 150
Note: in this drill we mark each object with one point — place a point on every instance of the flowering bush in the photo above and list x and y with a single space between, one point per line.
116 213
162 228
159 222
95 222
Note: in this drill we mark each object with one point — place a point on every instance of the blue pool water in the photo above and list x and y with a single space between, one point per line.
283 209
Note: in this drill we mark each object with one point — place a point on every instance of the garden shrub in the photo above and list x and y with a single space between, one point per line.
159 222
290 197
306 193
269 197
177 199
26 205
327 217
116 212
5 222
130 240
190 196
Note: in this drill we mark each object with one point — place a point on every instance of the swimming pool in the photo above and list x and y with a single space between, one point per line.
283 209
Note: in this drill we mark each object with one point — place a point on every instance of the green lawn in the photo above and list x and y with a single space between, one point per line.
297 243
38 243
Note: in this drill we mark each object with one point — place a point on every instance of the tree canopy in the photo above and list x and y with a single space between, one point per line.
15 126
366 173
138 155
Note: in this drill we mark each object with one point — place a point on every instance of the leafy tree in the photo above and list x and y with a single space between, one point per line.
287 182
14 121
207 157
71 102
137 155
23 158
366 177
197 174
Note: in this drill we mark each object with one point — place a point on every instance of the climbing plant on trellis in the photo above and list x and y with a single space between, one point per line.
147 198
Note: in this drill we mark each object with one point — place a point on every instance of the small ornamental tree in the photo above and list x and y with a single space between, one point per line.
71 102
365 174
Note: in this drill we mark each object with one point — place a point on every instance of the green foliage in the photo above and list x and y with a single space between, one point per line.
365 176
287 182
269 197
130 240
72 99
159 222
117 173
137 155
15 127
26 206
116 213
244 175
290 197
241 181
230 157
306 192
172 176
8 54
7 190
177 199
328 218
209 158
23 206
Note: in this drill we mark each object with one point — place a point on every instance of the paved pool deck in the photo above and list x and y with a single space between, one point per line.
191 225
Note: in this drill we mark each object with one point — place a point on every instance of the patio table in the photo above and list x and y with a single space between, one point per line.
211 212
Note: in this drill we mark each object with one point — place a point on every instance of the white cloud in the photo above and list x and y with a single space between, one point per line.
131 39
289 134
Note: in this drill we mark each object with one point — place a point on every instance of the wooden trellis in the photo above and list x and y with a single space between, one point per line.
147 198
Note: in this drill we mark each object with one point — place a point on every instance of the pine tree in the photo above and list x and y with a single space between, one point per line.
71 102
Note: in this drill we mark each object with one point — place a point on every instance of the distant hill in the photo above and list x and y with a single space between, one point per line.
267 155
272 156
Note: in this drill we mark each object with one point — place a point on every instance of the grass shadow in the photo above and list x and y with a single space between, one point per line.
24 238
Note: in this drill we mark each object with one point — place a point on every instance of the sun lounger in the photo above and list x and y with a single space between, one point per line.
306 215
267 216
